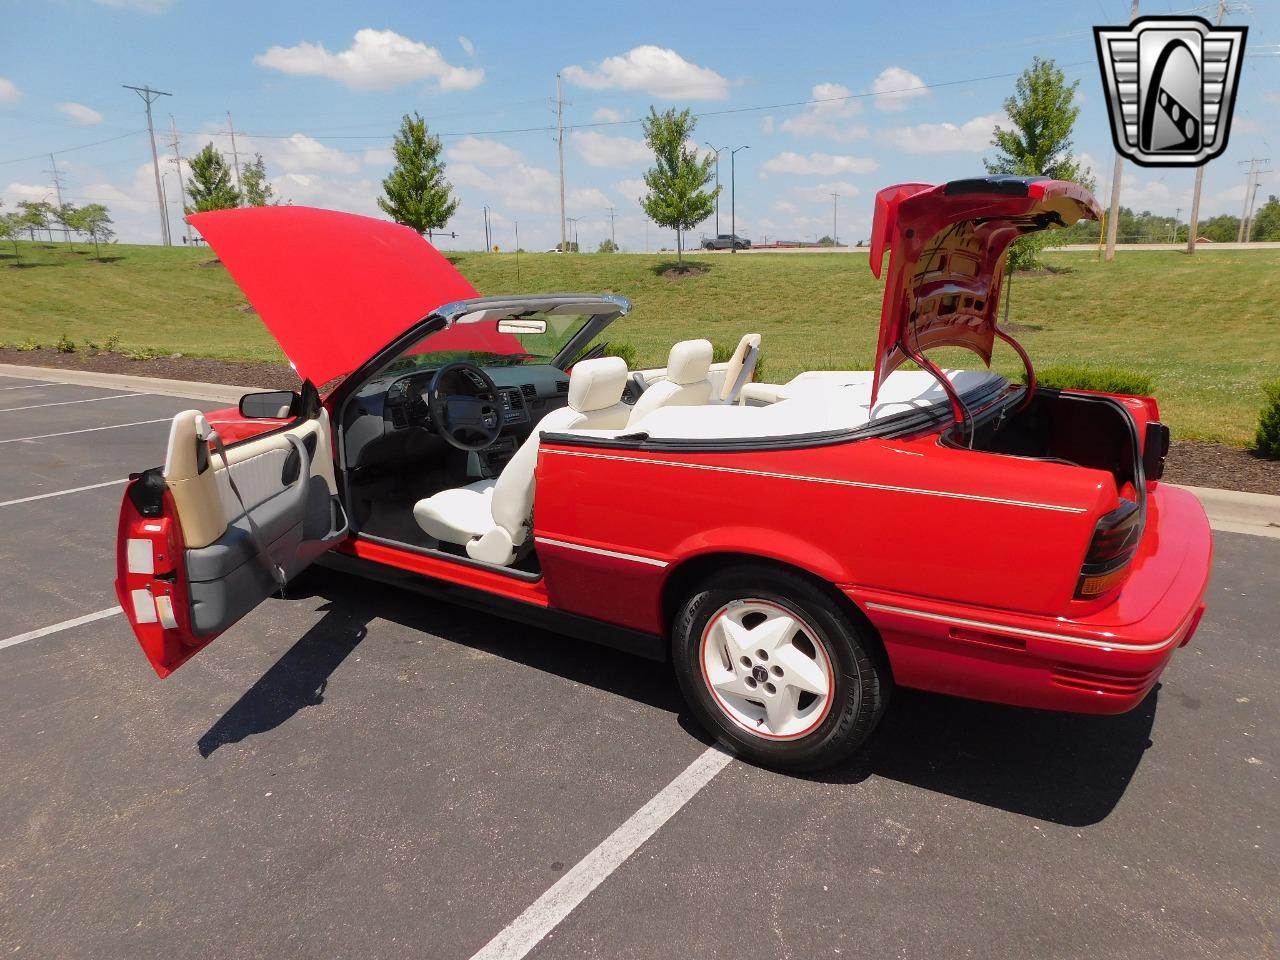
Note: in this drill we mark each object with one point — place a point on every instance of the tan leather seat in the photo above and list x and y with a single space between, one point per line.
493 517
741 369
686 383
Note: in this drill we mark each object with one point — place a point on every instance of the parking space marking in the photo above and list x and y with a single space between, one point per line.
542 916
59 627
67 433
62 493
32 386
66 403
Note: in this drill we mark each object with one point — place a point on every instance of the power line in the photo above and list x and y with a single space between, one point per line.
149 96
82 146
174 142
560 152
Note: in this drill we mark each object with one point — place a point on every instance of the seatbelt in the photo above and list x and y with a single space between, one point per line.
748 368
276 571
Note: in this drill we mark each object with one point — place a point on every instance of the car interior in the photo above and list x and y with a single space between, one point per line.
440 445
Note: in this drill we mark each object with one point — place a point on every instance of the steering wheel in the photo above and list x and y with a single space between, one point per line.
467 422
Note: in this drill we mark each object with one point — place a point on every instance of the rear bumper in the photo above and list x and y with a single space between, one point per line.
1105 662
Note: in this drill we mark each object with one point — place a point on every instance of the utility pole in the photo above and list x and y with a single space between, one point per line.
560 151
149 96
1193 226
613 235
57 187
1250 191
574 244
235 156
716 151
177 162
488 238
1113 217
733 199
835 231
1177 219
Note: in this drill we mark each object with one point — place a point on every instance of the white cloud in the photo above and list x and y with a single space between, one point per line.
822 192
586 198
482 152
27 191
972 136
829 117
602 150
658 71
376 60
819 164
766 124
468 47
520 187
379 157
80 113
896 88
1272 97
633 190
145 6
9 92
1246 125
302 153
606 115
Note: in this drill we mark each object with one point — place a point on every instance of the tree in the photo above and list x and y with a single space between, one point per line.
676 198
11 227
257 189
1266 222
826 241
607 246
1220 229
35 215
66 215
416 191
209 186
1042 114
94 220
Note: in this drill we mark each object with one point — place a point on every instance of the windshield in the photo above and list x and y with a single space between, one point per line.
482 343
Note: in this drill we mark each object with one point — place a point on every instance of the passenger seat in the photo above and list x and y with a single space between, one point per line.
686 383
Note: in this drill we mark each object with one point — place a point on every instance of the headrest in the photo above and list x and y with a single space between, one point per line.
689 362
597 384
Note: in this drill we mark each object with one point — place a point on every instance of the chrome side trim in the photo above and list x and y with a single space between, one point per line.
601 552
1039 634
1030 504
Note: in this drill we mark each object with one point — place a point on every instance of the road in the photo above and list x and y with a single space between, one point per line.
357 771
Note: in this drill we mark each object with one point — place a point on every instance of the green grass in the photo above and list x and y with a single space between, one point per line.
1202 328
1099 379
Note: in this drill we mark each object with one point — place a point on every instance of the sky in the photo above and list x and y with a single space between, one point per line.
904 92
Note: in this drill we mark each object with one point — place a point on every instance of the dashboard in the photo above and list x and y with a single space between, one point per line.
388 418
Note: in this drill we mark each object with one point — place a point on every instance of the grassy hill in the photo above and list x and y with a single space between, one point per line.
1205 328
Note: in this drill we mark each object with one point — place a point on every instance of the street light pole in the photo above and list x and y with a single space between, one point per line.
733 198
716 152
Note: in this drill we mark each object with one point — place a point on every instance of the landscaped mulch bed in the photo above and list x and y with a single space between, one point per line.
1190 463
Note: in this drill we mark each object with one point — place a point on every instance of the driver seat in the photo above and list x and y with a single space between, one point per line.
493 517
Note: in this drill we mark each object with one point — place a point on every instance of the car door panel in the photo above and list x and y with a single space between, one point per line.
203 539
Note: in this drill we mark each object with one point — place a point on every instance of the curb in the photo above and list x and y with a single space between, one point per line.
1234 512
191 390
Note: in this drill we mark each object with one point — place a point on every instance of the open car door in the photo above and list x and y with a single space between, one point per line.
206 538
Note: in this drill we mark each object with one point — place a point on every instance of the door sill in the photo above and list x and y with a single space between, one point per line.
514 574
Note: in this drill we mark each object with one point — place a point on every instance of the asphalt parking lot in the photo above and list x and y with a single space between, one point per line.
355 771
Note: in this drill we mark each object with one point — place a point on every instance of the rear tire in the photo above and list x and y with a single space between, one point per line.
775 668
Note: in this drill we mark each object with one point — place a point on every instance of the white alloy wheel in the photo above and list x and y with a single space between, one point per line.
767 668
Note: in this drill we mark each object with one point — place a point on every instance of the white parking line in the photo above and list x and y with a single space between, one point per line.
67 403
61 493
59 627
67 433
524 933
32 386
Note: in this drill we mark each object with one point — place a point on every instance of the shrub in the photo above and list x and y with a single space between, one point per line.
620 348
146 353
65 344
112 342
91 345
1267 442
1101 379
29 344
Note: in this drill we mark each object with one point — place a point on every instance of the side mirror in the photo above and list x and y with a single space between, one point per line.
271 405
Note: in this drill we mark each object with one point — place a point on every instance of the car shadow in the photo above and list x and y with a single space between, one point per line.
1068 769
1061 768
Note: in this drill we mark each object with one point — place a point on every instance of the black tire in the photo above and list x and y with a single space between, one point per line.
861 679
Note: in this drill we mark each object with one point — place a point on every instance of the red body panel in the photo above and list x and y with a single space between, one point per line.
332 288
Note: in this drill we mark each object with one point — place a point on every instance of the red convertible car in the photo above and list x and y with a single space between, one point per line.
795 550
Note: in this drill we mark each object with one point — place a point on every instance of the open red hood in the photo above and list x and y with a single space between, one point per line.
332 287
948 256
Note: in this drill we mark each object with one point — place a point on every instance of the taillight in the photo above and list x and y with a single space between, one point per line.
1114 541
